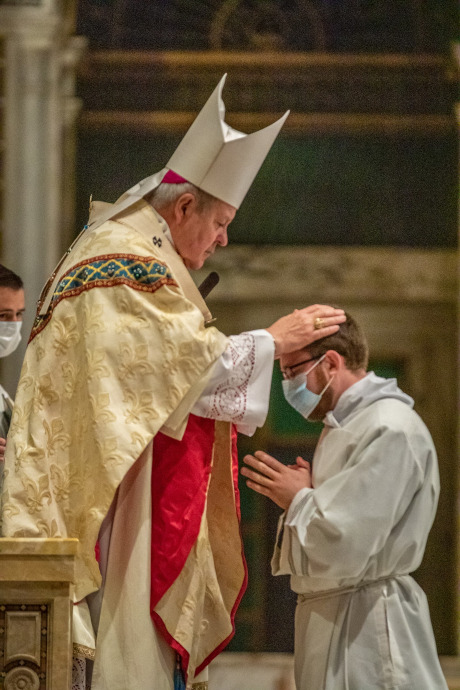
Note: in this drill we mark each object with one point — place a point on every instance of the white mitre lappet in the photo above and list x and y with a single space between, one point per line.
213 156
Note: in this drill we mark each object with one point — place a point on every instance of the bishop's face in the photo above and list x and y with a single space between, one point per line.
201 231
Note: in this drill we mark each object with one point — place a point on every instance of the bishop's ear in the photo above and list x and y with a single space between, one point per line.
184 207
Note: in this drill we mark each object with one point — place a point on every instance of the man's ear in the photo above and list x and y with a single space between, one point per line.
184 207
334 361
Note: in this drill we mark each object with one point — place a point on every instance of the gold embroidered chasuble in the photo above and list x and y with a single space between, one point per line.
121 352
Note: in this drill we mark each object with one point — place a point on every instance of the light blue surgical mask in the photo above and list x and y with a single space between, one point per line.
299 396
10 336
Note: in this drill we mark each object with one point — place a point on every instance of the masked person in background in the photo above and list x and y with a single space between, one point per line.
354 527
11 313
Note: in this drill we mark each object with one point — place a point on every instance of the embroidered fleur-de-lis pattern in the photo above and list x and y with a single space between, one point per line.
40 352
137 441
98 382
102 414
44 392
132 316
26 381
134 360
61 481
37 494
27 454
56 437
108 448
97 243
21 413
9 509
96 364
94 318
70 378
48 530
139 404
65 334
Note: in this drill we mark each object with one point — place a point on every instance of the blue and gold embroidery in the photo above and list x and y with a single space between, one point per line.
143 273
139 272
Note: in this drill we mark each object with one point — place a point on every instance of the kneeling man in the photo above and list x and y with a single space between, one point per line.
355 525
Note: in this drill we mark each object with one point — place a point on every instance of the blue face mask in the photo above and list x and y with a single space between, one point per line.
299 396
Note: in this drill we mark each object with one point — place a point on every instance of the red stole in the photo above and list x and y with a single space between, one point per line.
180 478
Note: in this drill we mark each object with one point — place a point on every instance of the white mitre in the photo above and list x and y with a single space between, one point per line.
213 156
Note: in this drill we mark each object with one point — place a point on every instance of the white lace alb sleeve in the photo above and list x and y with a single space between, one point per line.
239 386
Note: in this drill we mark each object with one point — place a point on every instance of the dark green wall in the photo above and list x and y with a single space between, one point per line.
333 190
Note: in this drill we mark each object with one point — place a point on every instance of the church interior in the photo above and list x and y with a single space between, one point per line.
355 206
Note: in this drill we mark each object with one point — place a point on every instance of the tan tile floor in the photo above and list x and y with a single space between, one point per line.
233 671
451 668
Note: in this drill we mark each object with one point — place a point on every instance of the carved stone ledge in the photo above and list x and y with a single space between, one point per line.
310 83
154 93
35 613
380 275
303 124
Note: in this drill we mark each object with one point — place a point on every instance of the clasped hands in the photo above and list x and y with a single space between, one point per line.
267 476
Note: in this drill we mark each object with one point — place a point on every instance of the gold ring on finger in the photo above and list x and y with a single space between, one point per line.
318 324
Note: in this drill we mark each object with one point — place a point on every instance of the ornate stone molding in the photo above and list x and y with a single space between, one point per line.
24 642
383 275
177 123
325 92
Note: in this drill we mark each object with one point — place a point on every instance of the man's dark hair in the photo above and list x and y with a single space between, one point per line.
349 341
9 279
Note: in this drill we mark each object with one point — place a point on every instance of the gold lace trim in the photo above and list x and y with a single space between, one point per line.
79 650
200 686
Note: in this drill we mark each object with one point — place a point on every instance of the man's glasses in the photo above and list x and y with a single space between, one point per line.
289 373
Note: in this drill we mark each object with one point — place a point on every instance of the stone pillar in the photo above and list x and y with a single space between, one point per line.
72 107
456 56
36 578
40 56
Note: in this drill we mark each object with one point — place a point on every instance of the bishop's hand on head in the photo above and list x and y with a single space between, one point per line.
300 328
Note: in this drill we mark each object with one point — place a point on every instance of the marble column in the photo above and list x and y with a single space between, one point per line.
72 107
40 110
456 56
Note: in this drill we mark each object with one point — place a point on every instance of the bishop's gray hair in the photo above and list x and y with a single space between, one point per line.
166 194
